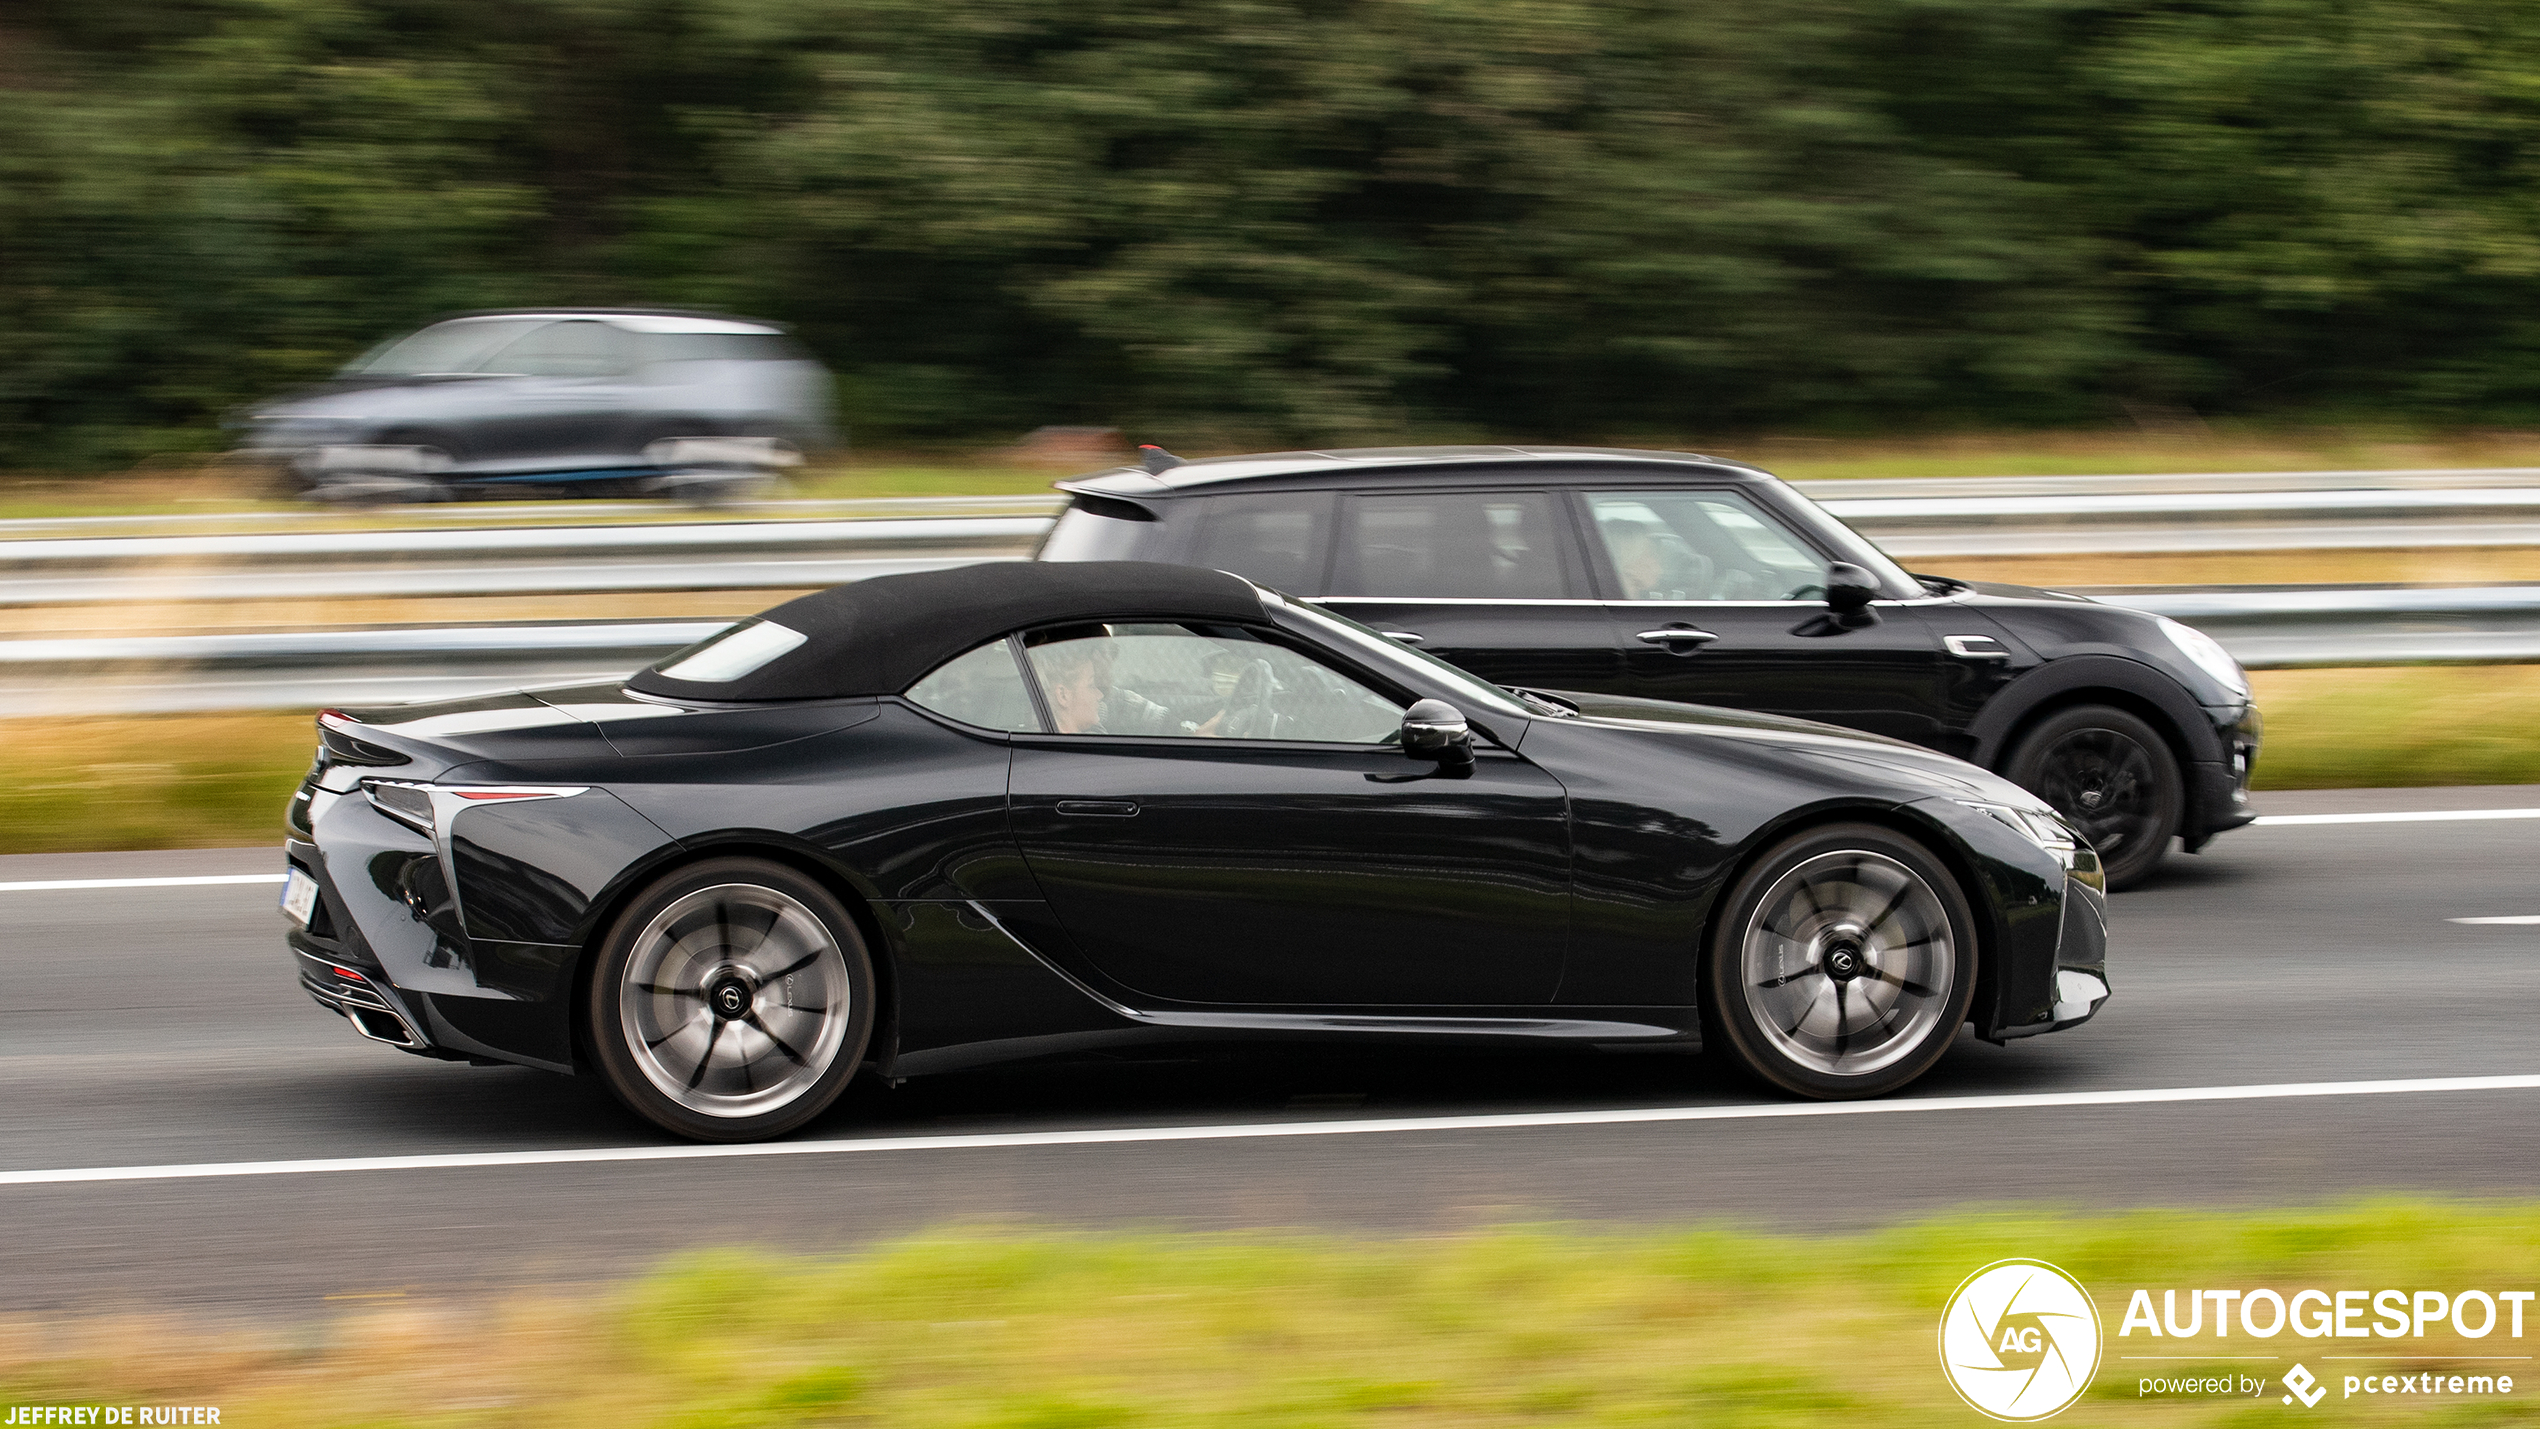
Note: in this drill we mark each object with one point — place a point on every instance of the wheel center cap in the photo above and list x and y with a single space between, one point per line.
2090 798
729 997
1843 962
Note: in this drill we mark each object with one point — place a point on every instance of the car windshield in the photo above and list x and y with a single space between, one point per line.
441 349
1403 660
1864 551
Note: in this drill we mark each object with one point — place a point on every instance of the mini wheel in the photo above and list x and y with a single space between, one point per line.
2113 777
1842 965
731 1001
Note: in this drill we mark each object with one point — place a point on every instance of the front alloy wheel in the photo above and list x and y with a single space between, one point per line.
732 1001
1844 966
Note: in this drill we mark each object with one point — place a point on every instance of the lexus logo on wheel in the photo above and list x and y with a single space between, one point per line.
2019 1340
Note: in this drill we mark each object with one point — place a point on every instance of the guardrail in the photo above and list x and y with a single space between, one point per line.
1919 521
2266 629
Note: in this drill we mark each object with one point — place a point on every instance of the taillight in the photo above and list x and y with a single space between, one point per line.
430 807
335 732
408 804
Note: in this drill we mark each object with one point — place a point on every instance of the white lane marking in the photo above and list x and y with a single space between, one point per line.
2516 918
1115 1136
2415 816
49 885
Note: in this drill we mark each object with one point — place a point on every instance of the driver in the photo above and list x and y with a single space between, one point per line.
1076 675
1639 563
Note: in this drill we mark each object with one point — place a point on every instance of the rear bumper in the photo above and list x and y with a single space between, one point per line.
340 973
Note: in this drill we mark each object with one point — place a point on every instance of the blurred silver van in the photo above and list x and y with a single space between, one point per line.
608 401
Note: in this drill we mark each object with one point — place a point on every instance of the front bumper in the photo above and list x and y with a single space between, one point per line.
2218 790
2079 987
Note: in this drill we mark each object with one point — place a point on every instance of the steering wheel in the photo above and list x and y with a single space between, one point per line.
1248 711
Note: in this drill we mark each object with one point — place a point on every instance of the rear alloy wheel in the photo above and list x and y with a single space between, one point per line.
2113 777
1844 964
732 1001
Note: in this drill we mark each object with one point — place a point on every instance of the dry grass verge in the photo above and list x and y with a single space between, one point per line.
207 781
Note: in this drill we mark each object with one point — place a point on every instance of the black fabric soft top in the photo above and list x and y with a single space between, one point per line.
880 636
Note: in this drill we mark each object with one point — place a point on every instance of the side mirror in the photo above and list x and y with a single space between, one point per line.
1849 591
1849 588
1434 729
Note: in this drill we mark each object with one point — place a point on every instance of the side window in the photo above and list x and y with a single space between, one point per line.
579 348
1472 544
1200 682
1279 540
1702 545
982 688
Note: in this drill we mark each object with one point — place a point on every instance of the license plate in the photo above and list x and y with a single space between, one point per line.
299 897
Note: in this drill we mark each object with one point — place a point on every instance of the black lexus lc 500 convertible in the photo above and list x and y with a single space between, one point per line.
1019 810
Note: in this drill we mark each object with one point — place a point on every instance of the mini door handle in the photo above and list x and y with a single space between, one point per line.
1406 637
1975 647
1673 636
1097 808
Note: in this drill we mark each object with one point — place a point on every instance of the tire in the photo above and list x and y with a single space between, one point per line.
2114 777
731 1001
1843 965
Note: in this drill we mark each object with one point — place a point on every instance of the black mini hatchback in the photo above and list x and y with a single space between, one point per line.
1694 579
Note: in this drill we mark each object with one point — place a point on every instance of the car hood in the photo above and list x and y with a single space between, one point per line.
1848 750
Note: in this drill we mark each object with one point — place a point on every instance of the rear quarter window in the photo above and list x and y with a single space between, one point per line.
1281 540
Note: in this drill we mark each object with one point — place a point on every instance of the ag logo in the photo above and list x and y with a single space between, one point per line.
2020 1340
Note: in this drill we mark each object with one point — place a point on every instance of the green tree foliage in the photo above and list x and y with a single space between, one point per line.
1315 220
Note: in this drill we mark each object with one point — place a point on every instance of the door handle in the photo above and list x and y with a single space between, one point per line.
1975 647
1097 808
1407 637
1679 640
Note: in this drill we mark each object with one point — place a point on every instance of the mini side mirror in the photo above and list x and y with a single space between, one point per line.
1849 588
1434 729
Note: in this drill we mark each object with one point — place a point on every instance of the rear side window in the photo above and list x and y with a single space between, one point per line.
983 688
1504 545
1281 541
721 659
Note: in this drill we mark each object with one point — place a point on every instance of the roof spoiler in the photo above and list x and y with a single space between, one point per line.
1104 503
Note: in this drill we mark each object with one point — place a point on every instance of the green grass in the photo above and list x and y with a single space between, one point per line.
2406 725
211 781
1036 1329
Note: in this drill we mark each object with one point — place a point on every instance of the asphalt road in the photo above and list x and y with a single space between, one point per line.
156 1026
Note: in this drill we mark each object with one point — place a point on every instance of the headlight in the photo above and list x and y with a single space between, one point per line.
2206 653
2042 827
